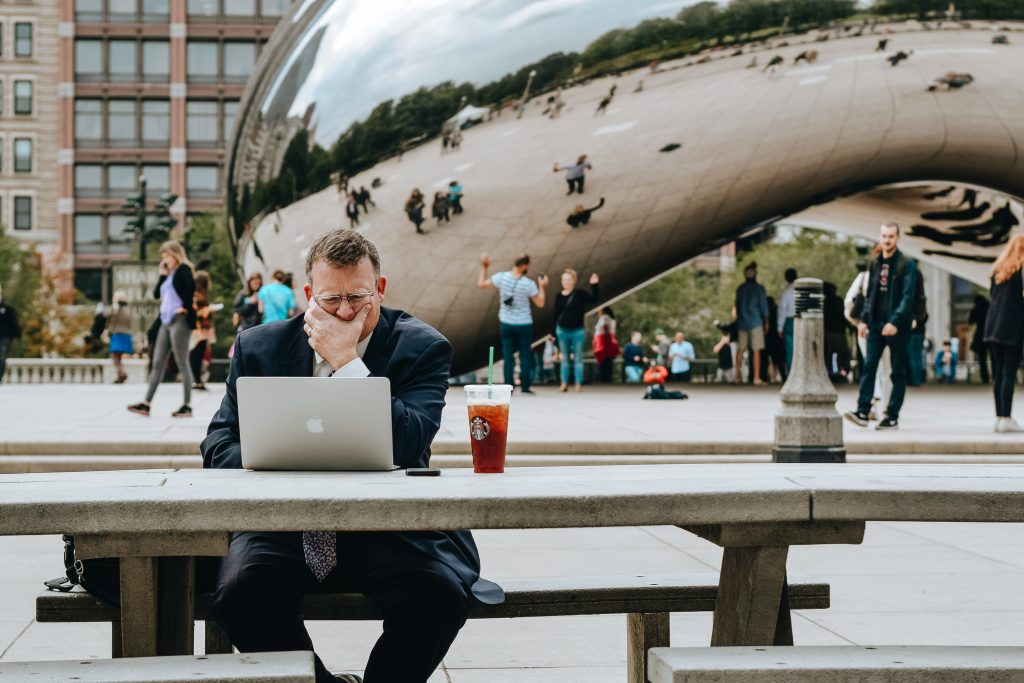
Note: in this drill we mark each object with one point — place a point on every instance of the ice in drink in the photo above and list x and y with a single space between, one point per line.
488 425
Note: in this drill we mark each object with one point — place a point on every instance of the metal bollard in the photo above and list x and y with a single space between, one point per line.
808 428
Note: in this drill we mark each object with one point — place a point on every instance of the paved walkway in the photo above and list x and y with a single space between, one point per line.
927 584
609 423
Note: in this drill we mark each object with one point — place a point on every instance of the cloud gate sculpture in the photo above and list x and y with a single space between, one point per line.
686 151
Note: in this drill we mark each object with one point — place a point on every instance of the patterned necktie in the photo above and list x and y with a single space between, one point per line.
321 551
320 547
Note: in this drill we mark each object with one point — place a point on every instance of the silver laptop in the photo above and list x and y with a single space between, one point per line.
315 423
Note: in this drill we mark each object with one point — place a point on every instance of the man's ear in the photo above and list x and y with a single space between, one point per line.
307 289
382 284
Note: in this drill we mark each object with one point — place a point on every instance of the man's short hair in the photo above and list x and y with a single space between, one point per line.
279 275
892 224
790 274
523 260
341 248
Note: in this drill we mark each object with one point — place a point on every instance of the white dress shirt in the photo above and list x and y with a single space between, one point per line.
787 306
354 368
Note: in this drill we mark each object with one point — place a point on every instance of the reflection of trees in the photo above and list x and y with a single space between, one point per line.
985 9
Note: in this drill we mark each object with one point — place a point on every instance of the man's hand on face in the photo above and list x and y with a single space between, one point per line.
334 338
889 330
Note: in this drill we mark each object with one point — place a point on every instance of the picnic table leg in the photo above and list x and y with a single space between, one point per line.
643 631
176 606
784 624
749 595
138 606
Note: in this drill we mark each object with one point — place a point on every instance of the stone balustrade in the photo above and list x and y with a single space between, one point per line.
71 371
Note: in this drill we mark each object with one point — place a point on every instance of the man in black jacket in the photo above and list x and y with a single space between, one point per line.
886 321
9 331
423 582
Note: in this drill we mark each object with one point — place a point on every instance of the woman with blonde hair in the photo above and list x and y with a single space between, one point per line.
571 305
119 326
176 290
1004 329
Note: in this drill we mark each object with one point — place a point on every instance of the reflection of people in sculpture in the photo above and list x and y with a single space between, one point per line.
988 234
969 198
958 215
809 56
952 80
773 64
882 42
352 210
439 208
603 105
364 199
900 56
455 196
581 216
414 210
575 174
446 139
945 192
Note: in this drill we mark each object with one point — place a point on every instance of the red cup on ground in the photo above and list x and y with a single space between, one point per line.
488 425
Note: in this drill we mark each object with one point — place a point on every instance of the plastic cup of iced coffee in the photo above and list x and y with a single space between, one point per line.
488 425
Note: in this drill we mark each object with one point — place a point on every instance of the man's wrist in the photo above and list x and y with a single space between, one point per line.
341 360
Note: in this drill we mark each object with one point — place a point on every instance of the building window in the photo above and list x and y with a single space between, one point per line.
89 60
88 180
88 122
156 61
158 179
273 8
202 8
121 123
1 96
121 180
1 38
230 110
238 61
201 182
89 10
240 8
22 213
121 61
202 62
22 97
22 39
118 239
88 234
156 123
121 10
22 155
202 123
156 10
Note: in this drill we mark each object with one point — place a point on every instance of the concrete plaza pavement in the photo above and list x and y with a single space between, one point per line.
909 583
87 426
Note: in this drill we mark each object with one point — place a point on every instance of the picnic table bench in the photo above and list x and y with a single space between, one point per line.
161 519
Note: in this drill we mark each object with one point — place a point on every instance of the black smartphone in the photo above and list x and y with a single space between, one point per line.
423 472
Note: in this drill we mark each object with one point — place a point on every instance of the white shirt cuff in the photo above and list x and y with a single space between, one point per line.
354 368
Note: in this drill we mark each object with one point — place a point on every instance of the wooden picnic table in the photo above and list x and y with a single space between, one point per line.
156 521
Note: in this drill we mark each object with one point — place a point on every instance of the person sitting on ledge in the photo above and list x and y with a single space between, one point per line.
581 216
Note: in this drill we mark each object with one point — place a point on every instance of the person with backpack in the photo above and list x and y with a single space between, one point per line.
885 322
853 307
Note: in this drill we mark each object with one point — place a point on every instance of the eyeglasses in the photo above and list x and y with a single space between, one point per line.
332 302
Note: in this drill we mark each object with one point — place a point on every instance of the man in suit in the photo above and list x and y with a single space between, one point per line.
422 582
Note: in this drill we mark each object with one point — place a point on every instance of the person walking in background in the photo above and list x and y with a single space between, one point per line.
581 216
547 359
751 320
606 346
633 359
247 305
885 322
837 348
945 363
575 174
9 331
440 208
660 346
1004 329
414 210
680 355
515 292
571 305
773 358
726 369
175 289
352 210
455 196
787 314
119 327
917 362
853 306
364 199
204 335
276 300
978 347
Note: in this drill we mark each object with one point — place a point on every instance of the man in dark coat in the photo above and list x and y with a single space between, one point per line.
423 582
9 331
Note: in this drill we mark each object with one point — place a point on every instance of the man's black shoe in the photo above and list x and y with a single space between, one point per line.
527 391
857 417
888 423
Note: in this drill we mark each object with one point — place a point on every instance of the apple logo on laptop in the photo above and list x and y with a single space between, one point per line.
315 425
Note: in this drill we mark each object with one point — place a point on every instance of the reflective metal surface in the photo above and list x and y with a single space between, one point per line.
684 155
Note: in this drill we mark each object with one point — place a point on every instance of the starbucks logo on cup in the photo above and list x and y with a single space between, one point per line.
479 428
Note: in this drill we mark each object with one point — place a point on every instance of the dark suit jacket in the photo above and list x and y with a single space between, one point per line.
902 285
410 353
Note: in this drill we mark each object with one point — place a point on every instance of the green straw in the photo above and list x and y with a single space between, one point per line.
490 371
